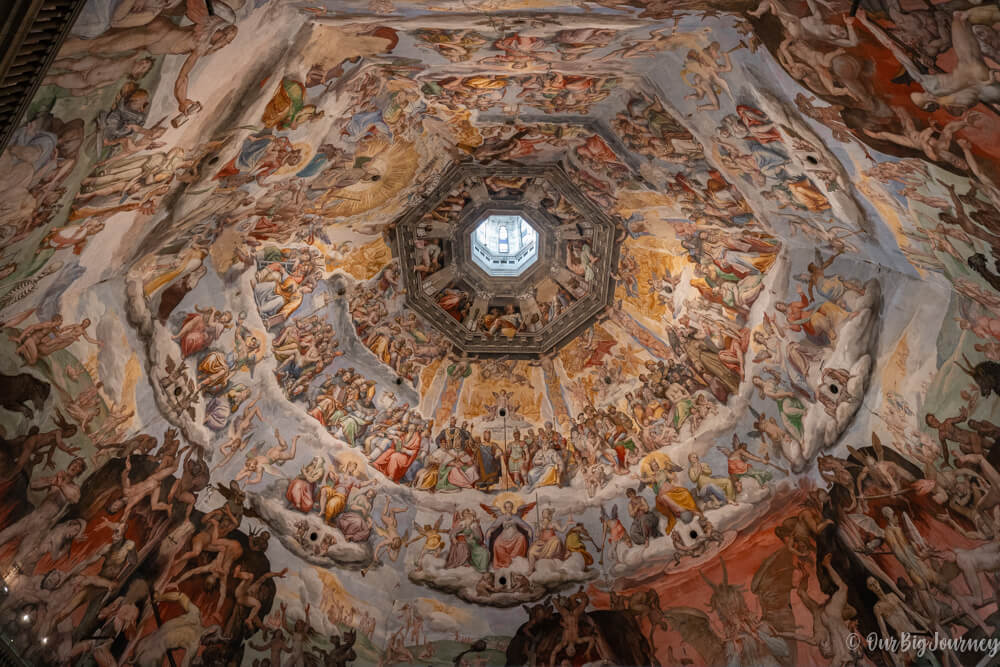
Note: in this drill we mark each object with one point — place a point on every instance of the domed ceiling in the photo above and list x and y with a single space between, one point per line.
521 262
483 333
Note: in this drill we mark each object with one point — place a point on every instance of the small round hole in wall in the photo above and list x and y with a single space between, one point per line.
607 379
313 536
503 580
693 535
399 380
834 389
811 160
503 412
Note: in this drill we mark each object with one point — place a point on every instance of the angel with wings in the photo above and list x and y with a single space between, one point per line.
391 541
509 535
433 542
834 288
257 464
501 401
790 404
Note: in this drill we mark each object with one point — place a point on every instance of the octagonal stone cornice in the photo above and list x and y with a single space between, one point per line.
522 316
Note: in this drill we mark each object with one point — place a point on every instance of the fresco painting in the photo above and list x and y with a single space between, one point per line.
240 425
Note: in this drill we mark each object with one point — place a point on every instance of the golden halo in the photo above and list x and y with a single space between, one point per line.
506 496
343 458
395 164
661 459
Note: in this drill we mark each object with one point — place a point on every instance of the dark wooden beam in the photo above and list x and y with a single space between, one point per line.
30 36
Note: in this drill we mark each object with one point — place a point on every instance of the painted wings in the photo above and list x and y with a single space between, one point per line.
695 628
772 584
523 510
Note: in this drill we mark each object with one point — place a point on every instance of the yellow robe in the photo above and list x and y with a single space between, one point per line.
550 478
334 506
574 544
807 195
682 497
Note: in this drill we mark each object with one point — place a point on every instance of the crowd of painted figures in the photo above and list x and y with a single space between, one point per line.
124 542
911 526
88 564
704 366
886 505
403 446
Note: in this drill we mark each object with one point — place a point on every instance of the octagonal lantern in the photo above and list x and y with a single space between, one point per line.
506 261
504 245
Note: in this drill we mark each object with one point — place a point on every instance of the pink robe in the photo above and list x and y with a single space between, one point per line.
457 476
300 494
509 545
198 337
394 464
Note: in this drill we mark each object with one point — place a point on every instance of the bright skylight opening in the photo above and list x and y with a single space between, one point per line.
504 245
